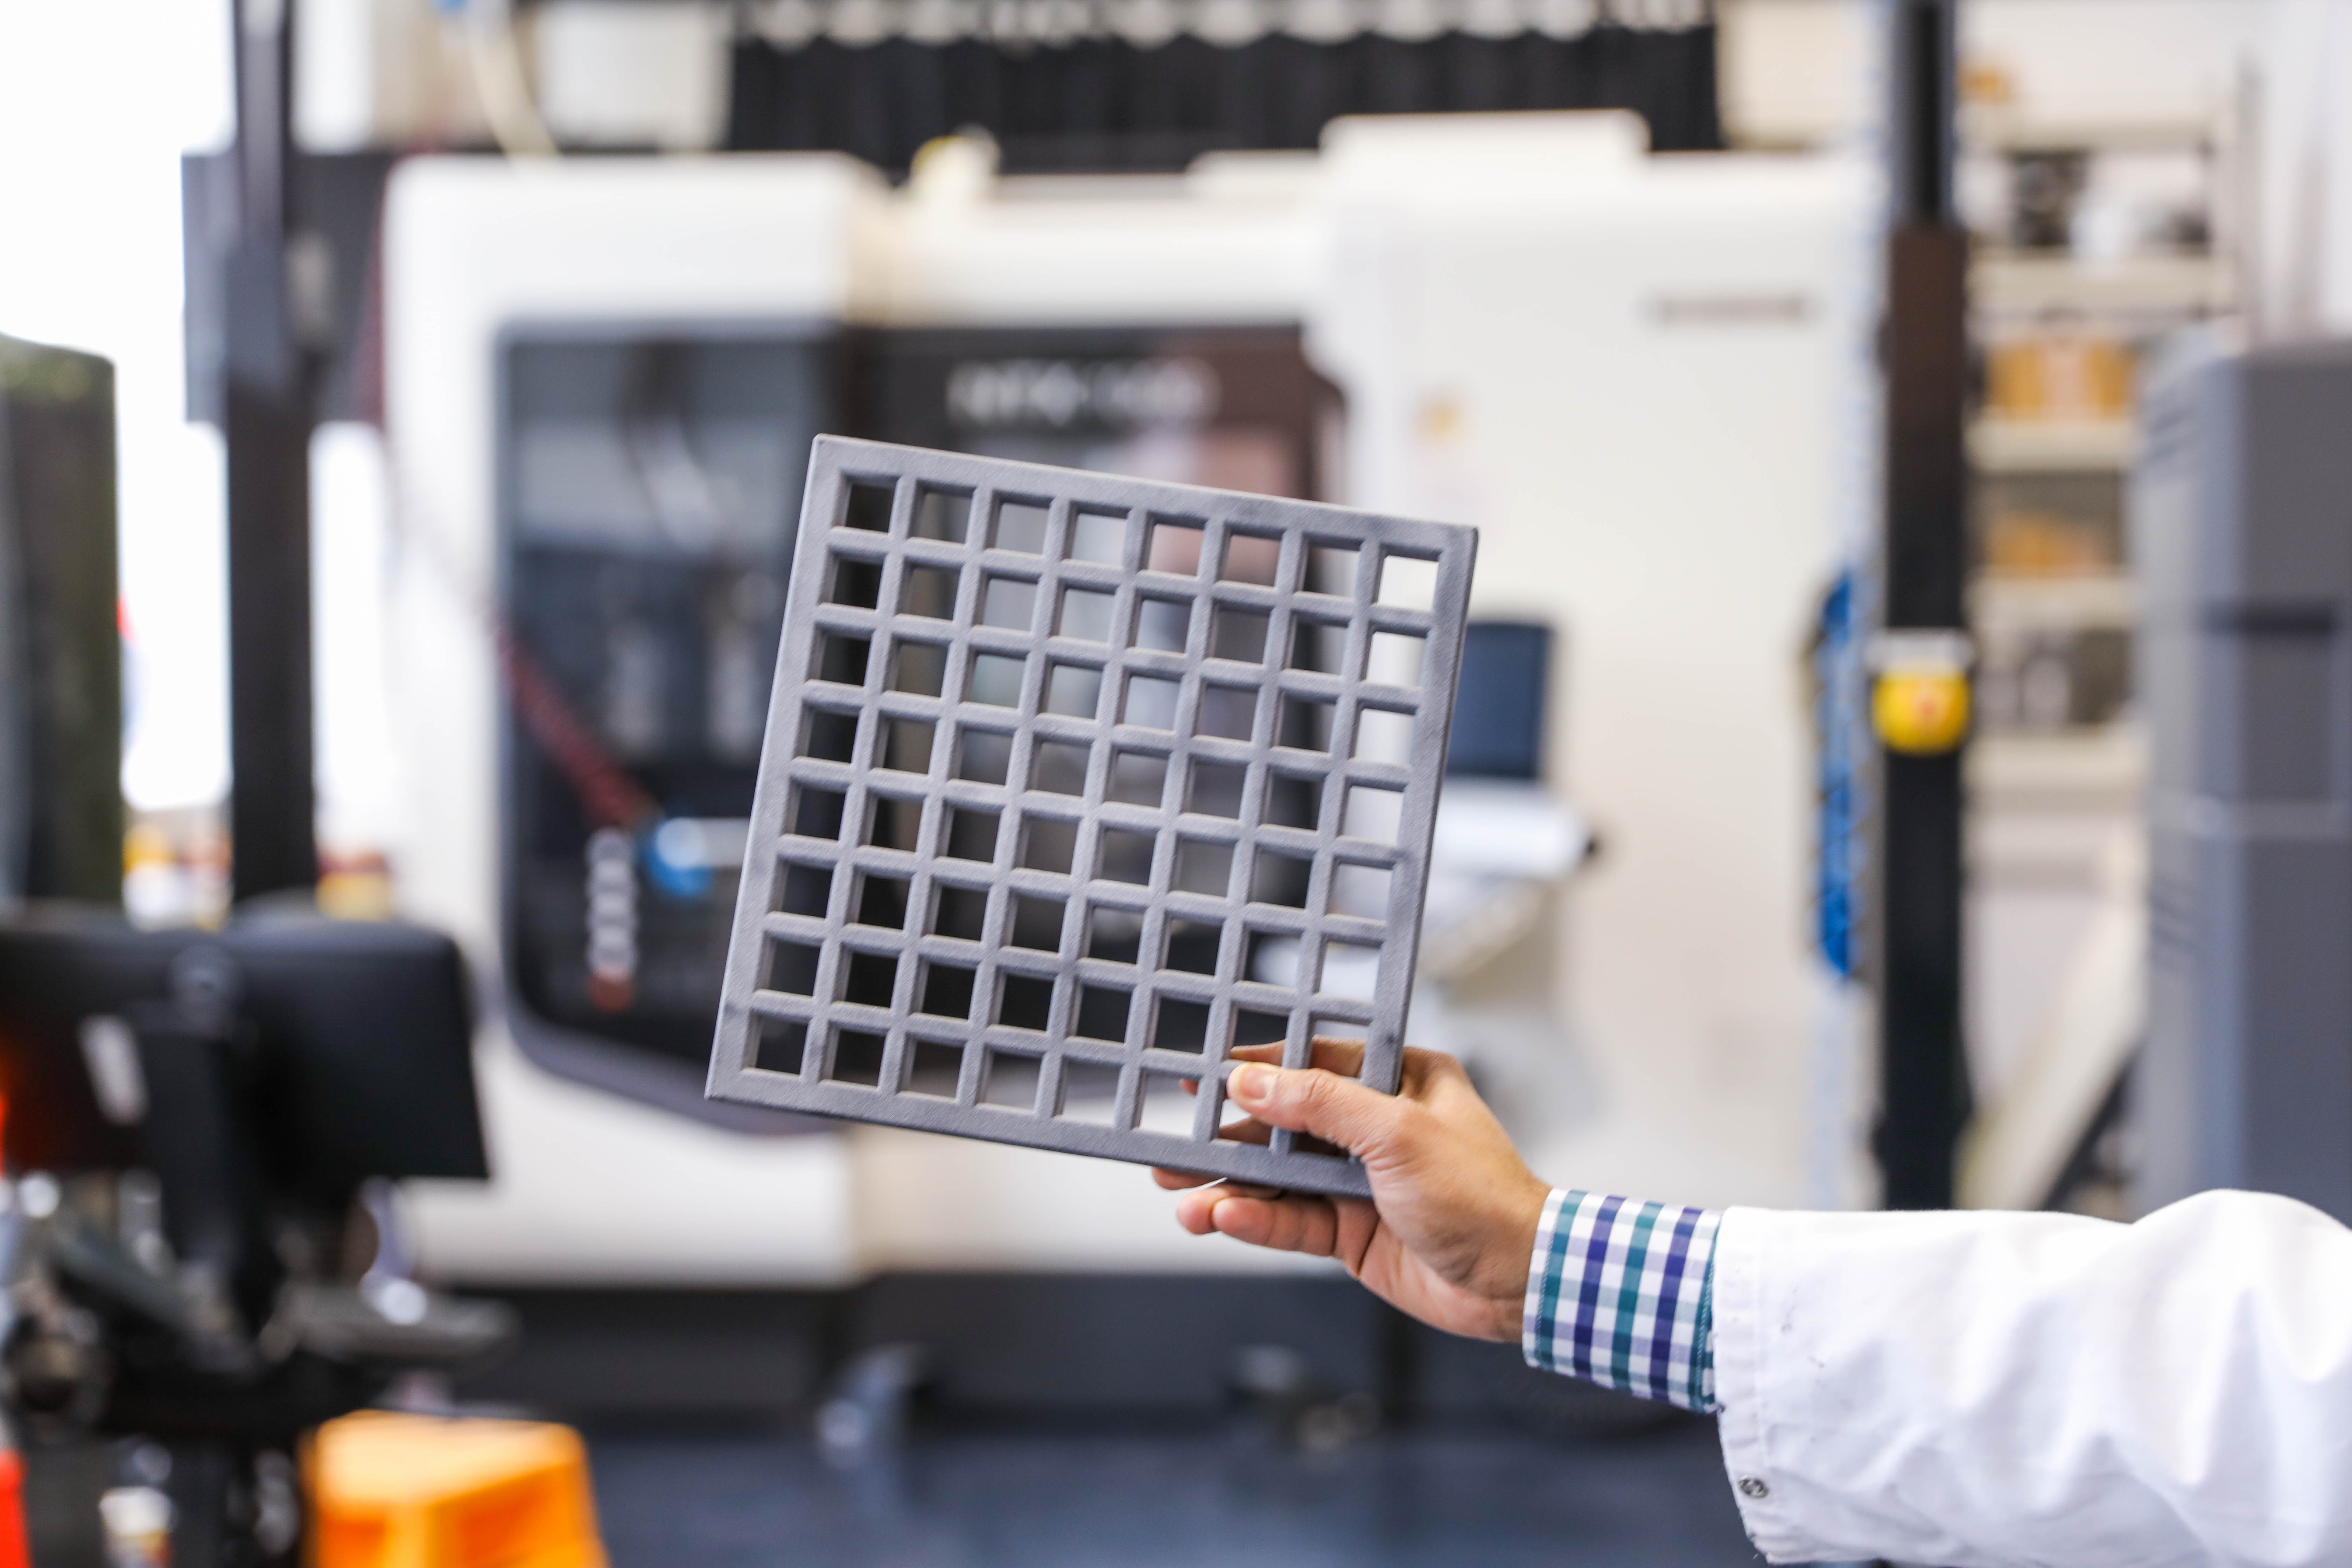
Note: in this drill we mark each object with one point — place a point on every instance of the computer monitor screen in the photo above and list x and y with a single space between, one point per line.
1499 716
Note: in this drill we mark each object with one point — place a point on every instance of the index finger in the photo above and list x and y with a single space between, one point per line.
1345 1057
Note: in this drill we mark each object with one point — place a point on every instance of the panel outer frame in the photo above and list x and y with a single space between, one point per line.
834 463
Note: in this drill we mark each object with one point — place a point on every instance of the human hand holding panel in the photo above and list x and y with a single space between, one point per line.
1452 1223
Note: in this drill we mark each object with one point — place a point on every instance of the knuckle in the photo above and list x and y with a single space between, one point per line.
1310 1089
1438 1072
1411 1126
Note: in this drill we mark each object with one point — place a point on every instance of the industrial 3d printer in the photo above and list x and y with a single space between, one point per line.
1642 376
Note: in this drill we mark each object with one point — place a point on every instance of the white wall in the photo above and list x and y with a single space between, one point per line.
632 73
98 99
1796 71
2112 61
2299 230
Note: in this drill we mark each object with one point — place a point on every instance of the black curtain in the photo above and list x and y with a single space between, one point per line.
1102 104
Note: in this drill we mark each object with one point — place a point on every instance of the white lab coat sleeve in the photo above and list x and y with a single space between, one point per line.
2007 1389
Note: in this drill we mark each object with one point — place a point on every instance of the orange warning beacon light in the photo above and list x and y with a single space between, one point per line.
1919 703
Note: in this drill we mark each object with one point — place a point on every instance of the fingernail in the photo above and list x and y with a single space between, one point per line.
1251 1081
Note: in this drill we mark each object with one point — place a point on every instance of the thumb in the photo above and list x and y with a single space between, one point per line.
1336 1110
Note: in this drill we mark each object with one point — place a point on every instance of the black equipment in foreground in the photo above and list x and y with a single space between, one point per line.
193 1118
60 641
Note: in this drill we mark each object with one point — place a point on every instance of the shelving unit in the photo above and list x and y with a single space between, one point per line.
2108 600
2004 128
2051 448
2025 283
2056 775
2010 445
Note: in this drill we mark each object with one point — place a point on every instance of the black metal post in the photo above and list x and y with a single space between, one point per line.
1922 1082
266 422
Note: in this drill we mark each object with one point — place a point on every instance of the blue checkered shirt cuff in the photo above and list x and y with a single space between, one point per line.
1621 1293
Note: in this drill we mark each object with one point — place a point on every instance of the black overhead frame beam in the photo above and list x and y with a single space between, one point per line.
268 376
1922 1070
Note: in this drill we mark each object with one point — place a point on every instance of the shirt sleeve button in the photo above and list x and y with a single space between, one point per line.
1753 1486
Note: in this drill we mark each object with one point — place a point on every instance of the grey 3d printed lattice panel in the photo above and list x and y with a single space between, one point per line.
1073 785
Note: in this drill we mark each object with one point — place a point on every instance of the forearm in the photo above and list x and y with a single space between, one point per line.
1956 1388
1984 1388
1990 1389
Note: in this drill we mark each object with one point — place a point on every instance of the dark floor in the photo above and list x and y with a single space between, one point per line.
1204 1497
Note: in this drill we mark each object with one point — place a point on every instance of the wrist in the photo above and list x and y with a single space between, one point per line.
1512 1259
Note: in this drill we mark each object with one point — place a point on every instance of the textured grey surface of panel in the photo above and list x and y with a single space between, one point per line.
2243 555
1072 785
